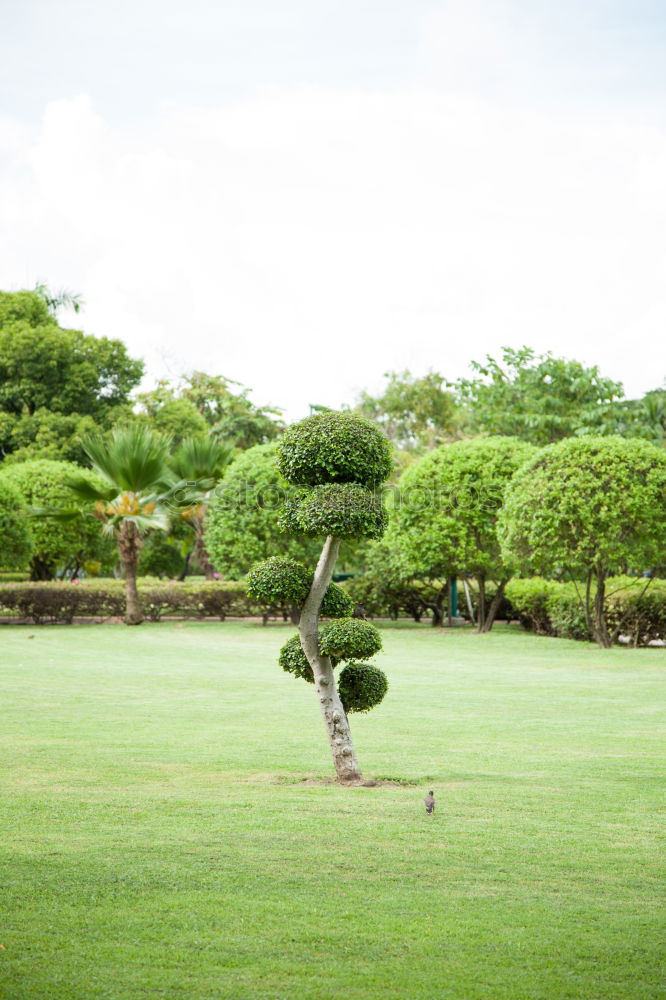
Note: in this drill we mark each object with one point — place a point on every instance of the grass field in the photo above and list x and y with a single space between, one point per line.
158 839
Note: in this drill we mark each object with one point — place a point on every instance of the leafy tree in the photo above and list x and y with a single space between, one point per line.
44 434
444 521
199 464
131 498
338 461
65 371
588 507
241 524
414 413
229 416
59 547
539 398
14 530
385 586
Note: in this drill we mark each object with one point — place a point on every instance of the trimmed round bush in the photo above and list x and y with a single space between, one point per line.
294 661
337 603
58 545
350 638
361 686
334 448
279 579
14 529
346 510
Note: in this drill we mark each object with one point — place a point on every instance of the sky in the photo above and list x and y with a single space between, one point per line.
304 195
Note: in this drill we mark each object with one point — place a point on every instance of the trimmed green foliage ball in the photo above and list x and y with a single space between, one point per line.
280 580
361 686
337 603
350 638
15 537
334 448
294 661
346 510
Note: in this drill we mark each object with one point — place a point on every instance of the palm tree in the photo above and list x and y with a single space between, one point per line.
134 465
199 463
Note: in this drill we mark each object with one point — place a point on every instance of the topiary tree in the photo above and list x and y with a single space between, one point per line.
588 507
14 530
445 519
59 547
336 461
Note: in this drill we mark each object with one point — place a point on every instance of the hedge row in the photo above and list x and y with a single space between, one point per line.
633 611
61 602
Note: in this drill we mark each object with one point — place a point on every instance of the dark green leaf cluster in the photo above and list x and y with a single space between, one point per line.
345 510
361 686
294 661
337 603
281 580
350 638
334 447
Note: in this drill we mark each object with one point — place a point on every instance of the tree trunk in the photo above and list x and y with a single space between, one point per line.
600 630
202 555
334 716
494 607
129 545
482 603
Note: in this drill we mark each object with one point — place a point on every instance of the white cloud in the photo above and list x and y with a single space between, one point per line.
305 240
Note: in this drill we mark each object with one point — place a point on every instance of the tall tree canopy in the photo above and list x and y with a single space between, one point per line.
414 412
65 371
539 398
228 415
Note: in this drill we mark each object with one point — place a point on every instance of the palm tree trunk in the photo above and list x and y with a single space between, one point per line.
129 545
334 716
202 555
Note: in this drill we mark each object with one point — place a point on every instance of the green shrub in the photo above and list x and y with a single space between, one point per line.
15 536
361 686
350 638
346 510
280 581
334 448
294 661
633 611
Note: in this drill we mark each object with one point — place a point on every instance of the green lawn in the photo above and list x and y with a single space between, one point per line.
157 838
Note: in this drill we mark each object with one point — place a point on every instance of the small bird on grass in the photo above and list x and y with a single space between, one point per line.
430 803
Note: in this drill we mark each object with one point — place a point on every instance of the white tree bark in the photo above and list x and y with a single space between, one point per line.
335 718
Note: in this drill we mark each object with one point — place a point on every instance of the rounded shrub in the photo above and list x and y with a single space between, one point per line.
350 638
334 447
361 686
294 661
346 510
58 545
279 579
14 529
337 603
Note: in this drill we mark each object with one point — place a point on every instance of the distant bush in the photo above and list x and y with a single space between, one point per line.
634 611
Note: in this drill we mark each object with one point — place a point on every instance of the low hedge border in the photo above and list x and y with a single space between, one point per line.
60 602
633 610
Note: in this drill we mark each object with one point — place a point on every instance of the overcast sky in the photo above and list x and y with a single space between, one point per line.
304 195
